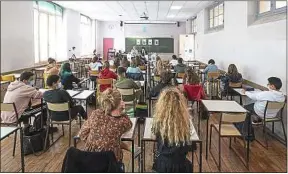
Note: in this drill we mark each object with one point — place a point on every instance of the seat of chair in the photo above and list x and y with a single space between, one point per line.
228 130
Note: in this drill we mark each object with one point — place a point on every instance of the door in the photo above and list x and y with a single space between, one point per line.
186 47
107 43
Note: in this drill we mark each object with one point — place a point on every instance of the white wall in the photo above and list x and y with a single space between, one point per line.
71 21
259 51
17 40
110 30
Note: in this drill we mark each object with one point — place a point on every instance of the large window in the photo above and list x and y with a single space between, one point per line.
271 7
194 26
86 35
216 16
48 30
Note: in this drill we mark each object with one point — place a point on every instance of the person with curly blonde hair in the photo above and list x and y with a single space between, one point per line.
171 125
159 66
104 127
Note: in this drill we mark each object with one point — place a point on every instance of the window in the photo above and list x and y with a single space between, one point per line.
48 31
265 8
216 16
86 35
194 25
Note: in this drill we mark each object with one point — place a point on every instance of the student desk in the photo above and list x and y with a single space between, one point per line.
149 136
221 106
84 95
241 94
5 132
129 136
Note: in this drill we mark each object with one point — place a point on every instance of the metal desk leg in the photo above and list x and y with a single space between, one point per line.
22 150
241 102
192 160
200 157
132 155
142 154
207 127
139 136
199 119
248 142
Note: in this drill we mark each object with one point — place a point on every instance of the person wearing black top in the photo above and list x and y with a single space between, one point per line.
67 77
166 80
57 95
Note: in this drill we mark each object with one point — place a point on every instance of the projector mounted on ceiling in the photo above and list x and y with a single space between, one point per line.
144 16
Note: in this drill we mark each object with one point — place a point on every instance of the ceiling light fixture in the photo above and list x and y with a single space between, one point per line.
176 7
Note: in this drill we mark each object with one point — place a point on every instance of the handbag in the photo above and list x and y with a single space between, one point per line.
34 141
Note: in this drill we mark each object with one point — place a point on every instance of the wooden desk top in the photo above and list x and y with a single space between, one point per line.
83 95
222 106
130 134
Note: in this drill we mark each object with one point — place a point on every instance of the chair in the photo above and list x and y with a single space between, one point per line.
129 98
143 68
59 107
180 75
275 106
10 78
226 128
233 85
156 79
213 84
10 107
39 78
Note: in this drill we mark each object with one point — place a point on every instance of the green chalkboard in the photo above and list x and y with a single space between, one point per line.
165 45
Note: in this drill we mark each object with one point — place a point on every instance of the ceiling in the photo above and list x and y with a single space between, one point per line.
132 10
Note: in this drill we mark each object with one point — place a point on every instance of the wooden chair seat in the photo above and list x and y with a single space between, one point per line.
227 130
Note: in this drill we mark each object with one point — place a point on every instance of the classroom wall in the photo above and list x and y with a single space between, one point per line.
259 51
17 38
156 30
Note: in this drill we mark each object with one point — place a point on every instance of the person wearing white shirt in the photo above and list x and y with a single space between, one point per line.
95 64
134 51
174 61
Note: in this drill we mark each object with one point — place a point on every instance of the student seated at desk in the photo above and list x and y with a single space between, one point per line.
52 68
171 125
159 66
106 73
174 61
133 67
231 76
116 62
274 85
105 126
166 80
125 83
124 62
211 67
95 64
67 77
58 95
180 67
20 93
138 61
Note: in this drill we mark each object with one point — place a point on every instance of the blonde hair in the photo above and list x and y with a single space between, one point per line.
109 100
172 121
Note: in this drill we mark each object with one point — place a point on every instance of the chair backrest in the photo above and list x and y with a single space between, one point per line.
213 75
157 78
9 107
10 78
233 117
271 105
127 93
180 75
104 81
235 85
58 107
39 74
142 67
194 92
94 73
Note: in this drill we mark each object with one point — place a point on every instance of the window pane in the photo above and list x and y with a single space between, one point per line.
211 23
280 4
215 21
220 20
43 36
60 49
216 11
52 35
36 37
221 9
264 6
211 14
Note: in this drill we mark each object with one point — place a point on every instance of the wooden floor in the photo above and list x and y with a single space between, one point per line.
261 160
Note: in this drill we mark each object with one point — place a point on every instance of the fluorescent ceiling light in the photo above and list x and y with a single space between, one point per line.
176 7
170 16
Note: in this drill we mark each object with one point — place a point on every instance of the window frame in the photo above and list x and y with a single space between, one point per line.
218 27
194 25
55 14
88 23
273 10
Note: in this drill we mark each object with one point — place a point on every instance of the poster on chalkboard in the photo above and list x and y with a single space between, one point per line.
150 42
156 42
143 41
138 42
